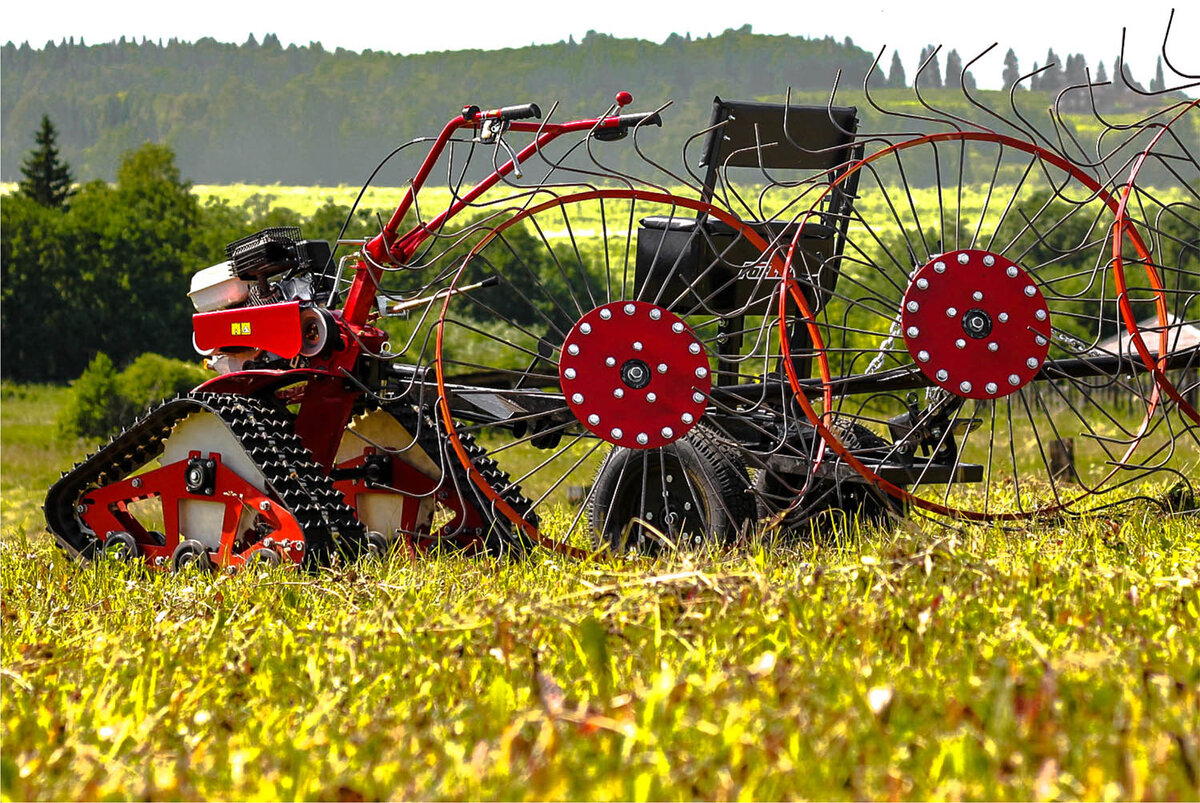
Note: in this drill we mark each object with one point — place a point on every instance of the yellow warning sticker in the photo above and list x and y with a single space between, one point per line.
242 328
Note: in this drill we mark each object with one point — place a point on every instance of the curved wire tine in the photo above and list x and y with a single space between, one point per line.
949 120
1031 131
656 165
1166 60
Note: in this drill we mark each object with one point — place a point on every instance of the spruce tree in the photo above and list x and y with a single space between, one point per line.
47 178
896 77
1012 71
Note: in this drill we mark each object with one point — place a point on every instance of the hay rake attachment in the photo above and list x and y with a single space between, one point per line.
965 313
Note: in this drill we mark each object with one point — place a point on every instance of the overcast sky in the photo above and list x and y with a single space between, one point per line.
1028 26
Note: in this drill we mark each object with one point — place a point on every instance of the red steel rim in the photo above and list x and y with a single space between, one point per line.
777 268
822 421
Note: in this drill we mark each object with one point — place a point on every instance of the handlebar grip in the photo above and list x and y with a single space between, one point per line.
614 128
524 111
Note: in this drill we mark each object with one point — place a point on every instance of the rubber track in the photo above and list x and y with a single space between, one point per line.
501 536
329 525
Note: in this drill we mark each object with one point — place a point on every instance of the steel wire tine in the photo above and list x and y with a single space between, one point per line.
946 119
632 179
699 187
890 137
1031 130
1132 85
977 103
603 170
649 160
1166 60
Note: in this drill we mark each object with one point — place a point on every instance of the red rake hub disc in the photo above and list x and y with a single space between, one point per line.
635 374
976 324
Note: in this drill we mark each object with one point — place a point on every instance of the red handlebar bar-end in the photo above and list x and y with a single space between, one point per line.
624 98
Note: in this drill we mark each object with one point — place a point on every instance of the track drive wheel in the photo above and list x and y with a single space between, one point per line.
622 323
974 327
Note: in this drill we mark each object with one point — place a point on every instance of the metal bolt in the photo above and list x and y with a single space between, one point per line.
585 328
694 348
264 505
637 345
677 327
1003 317
1014 380
80 508
993 346
630 309
577 398
137 482
698 397
667 432
299 545
1032 362
923 356
617 433
913 331
978 296
951 312
1040 315
610 361
268 542
593 419
651 397
939 266
1041 341
960 343
991 387
965 387
1030 290
619 393
701 372
943 375
922 284
687 418
569 373
655 314
572 349
1013 272
606 314
662 367
912 306
963 259
643 438
989 260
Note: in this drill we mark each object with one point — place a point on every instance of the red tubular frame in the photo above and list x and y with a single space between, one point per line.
388 249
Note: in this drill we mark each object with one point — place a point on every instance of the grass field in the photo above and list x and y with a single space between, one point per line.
1055 662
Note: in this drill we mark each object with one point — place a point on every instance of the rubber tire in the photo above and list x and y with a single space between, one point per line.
842 503
120 545
719 479
264 557
191 554
377 545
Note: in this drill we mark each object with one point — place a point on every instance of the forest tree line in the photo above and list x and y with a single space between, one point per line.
260 112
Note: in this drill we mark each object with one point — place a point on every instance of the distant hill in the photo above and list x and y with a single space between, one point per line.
262 113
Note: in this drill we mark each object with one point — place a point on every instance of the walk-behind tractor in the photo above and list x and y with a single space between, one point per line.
824 326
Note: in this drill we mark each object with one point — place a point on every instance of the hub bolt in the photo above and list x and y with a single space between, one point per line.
939 266
694 348
585 328
991 387
951 312
630 309
651 397
1014 380
943 375
1032 362
606 313
667 432
618 393
677 327
577 398
912 306
643 438
610 361
923 356
1040 315
701 372
617 433
637 345
913 331
655 314
1012 272
963 259
572 349
978 296
662 367
989 260
993 346
960 343
922 283
687 418
569 373
593 419
965 387
698 397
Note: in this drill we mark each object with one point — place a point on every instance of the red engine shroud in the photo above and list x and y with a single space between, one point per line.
271 327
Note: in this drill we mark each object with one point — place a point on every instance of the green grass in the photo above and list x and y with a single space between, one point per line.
1055 662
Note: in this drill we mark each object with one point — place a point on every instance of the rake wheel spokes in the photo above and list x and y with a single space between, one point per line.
975 327
625 369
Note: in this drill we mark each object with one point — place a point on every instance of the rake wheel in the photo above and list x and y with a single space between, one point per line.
623 320
974 327
1156 260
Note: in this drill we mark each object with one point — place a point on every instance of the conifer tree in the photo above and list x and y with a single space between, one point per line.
47 178
1012 71
896 78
